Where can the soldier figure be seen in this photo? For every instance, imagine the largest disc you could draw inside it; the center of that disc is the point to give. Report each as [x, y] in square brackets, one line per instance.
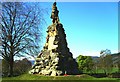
[54, 14]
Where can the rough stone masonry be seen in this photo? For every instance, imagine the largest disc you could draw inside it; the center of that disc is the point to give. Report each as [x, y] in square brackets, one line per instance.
[55, 59]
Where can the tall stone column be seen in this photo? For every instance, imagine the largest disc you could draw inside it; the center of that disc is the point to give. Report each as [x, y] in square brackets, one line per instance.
[55, 59]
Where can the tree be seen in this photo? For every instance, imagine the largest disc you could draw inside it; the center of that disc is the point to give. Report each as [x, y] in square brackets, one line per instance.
[116, 60]
[105, 61]
[21, 30]
[5, 67]
[20, 67]
[85, 63]
[105, 52]
[95, 65]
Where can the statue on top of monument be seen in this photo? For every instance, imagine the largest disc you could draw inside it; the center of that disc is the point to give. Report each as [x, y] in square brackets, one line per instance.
[54, 14]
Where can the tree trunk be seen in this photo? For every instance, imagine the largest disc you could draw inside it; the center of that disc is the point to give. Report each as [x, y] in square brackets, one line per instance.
[11, 66]
[105, 71]
[118, 67]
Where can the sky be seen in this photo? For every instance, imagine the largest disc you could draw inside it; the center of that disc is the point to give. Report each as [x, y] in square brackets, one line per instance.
[89, 26]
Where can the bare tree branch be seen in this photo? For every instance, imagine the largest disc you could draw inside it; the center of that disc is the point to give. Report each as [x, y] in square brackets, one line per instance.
[21, 26]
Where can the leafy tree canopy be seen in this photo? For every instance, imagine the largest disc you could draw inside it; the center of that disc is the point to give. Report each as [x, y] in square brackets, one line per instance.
[85, 63]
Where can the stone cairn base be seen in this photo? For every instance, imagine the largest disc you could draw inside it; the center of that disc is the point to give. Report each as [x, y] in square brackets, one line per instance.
[55, 58]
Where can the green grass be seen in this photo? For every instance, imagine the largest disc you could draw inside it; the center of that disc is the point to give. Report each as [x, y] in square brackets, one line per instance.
[70, 77]
[39, 77]
[113, 70]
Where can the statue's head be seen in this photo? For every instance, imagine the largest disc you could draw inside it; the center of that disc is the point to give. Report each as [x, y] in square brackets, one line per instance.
[54, 3]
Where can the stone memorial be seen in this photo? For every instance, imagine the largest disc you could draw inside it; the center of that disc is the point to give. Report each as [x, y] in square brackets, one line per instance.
[55, 58]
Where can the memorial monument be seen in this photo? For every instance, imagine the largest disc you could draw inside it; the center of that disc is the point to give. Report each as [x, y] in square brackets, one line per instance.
[55, 59]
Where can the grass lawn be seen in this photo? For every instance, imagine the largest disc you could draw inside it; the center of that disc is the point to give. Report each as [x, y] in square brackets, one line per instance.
[73, 78]
[113, 70]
